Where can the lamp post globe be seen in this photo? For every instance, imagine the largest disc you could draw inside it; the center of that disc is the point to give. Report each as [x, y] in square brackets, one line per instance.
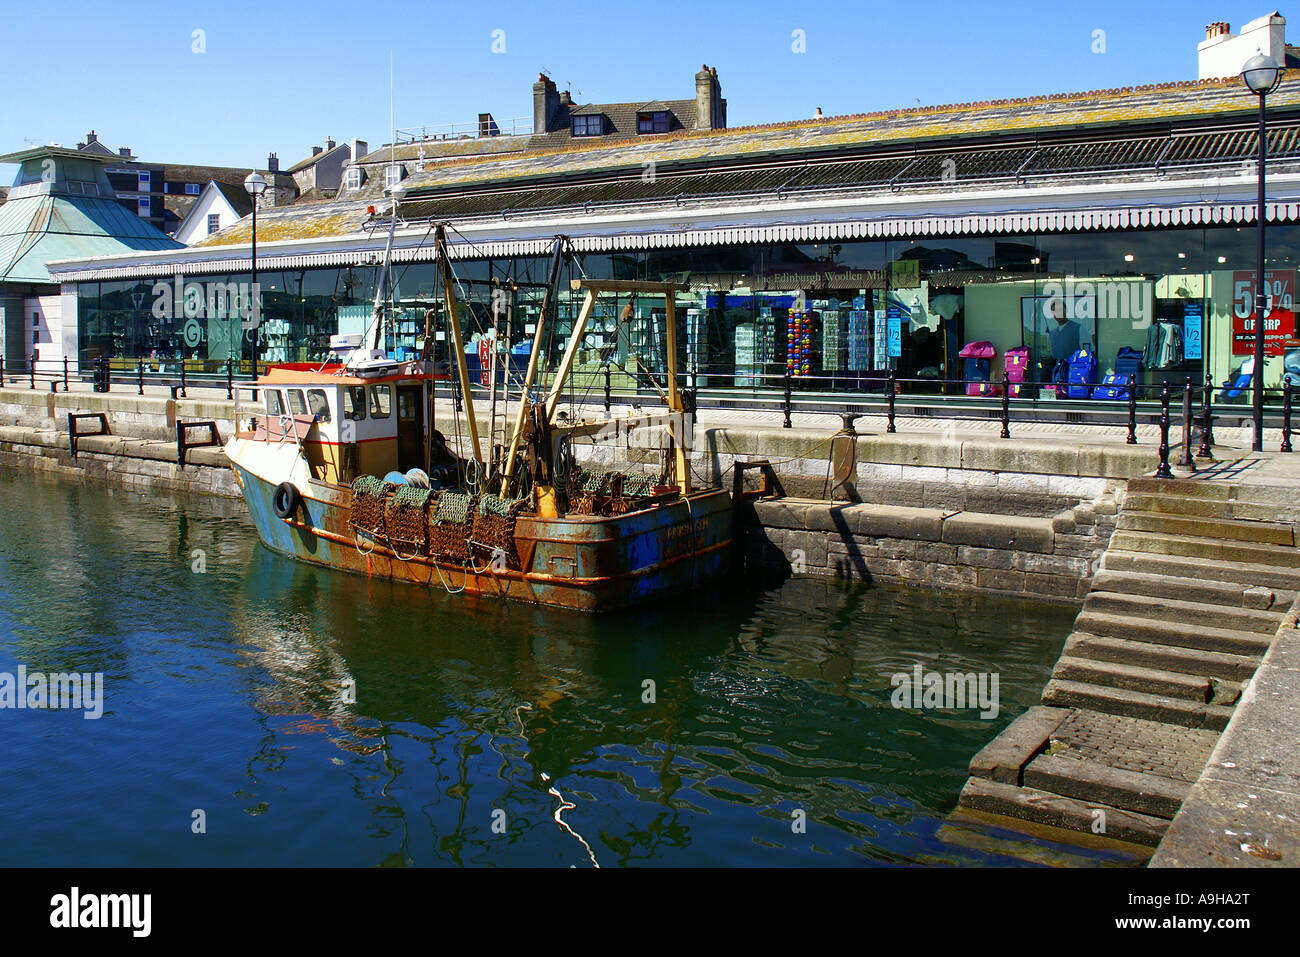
[1261, 74]
[255, 184]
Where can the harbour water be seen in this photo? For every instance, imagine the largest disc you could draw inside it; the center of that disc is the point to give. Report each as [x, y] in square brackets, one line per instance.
[257, 711]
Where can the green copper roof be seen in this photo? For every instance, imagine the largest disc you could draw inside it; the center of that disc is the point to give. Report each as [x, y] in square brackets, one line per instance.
[43, 227]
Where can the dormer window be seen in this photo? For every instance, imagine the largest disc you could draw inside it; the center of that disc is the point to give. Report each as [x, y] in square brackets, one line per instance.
[353, 178]
[592, 125]
[656, 122]
[392, 176]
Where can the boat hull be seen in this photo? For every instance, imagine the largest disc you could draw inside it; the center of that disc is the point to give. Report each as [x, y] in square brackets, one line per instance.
[586, 563]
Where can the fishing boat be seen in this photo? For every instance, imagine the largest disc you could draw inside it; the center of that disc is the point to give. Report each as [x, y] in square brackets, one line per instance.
[341, 465]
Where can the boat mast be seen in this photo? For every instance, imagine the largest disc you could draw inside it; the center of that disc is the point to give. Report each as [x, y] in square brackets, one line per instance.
[530, 376]
[453, 323]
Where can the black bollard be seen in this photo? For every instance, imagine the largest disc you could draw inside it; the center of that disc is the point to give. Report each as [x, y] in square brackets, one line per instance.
[786, 407]
[1006, 407]
[1132, 438]
[183, 395]
[140, 376]
[65, 373]
[607, 387]
[31, 369]
[2, 372]
[892, 389]
[1286, 414]
[1163, 471]
[1207, 430]
[230, 379]
[1185, 462]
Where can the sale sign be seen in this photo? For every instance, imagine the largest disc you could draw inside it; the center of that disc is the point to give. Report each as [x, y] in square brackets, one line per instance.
[1279, 314]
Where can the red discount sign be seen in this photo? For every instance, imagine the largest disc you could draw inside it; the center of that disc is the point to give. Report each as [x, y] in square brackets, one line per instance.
[1279, 319]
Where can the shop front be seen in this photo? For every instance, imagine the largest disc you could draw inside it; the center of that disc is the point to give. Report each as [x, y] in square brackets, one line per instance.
[939, 313]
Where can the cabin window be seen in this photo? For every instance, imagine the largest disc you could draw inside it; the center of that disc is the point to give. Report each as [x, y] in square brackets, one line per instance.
[354, 402]
[296, 404]
[274, 405]
[381, 399]
[318, 404]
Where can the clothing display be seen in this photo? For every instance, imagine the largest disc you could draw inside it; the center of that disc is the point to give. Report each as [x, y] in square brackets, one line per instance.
[832, 341]
[1164, 345]
[860, 340]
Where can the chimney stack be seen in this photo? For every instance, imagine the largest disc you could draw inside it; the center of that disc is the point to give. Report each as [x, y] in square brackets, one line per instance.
[546, 103]
[124, 151]
[272, 163]
[329, 143]
[710, 107]
[316, 151]
[359, 149]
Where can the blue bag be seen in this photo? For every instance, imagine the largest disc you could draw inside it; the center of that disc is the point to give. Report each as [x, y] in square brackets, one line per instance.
[1083, 373]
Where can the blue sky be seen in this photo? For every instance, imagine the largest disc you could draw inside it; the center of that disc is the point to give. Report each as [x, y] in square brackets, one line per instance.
[280, 78]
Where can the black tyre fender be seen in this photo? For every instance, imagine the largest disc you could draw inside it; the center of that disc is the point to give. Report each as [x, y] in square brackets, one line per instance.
[286, 500]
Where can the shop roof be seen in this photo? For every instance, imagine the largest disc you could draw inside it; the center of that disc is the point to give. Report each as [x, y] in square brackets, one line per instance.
[36, 229]
[1136, 133]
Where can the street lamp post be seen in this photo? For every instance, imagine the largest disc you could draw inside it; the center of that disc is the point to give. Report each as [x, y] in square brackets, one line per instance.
[1261, 74]
[255, 183]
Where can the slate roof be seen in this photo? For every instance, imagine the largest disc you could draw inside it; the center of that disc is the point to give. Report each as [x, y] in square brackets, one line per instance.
[1106, 135]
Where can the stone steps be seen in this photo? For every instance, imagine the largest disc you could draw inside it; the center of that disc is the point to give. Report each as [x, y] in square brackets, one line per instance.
[1197, 580]
[1145, 654]
[1229, 594]
[1092, 781]
[1245, 574]
[1214, 508]
[1136, 704]
[1176, 634]
[1054, 810]
[1152, 608]
[1256, 532]
[1207, 549]
[1198, 688]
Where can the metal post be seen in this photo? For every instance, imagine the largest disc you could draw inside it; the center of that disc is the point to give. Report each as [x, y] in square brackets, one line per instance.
[1261, 289]
[1207, 430]
[2, 372]
[31, 368]
[65, 373]
[183, 395]
[607, 374]
[230, 378]
[1132, 437]
[1286, 414]
[890, 428]
[1006, 406]
[1163, 471]
[786, 404]
[140, 376]
[1185, 461]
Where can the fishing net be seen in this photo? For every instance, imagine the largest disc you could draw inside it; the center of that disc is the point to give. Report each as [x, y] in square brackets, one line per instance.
[366, 513]
[493, 536]
[406, 518]
[450, 525]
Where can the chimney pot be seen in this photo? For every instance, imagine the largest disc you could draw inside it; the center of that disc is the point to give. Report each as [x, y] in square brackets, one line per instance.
[316, 151]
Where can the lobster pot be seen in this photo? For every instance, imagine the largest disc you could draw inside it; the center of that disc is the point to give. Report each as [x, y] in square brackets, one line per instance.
[589, 491]
[367, 512]
[406, 519]
[494, 529]
[450, 525]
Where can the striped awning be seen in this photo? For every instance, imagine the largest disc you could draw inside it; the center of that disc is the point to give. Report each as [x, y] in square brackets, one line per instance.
[363, 251]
